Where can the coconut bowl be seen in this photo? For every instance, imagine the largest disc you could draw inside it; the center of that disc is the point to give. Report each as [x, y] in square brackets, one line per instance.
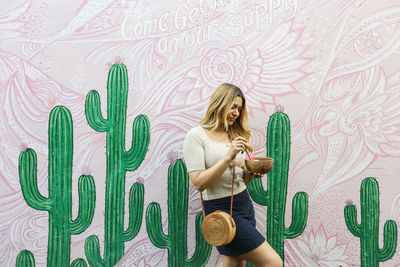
[260, 165]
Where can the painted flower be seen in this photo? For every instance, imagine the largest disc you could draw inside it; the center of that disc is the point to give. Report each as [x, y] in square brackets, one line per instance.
[317, 249]
[349, 202]
[368, 43]
[172, 156]
[263, 75]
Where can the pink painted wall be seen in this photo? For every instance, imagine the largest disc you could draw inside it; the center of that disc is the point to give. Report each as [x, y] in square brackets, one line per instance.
[333, 65]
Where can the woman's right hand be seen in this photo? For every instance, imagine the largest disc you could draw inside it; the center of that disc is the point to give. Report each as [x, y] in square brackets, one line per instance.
[238, 145]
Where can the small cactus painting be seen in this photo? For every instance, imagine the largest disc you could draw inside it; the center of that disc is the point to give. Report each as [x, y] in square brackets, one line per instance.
[176, 240]
[368, 229]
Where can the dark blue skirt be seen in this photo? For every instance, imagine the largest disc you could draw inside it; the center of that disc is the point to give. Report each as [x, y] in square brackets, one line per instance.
[247, 236]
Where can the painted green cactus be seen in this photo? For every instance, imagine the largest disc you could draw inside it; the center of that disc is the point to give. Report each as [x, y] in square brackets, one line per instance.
[176, 240]
[25, 259]
[368, 229]
[278, 148]
[119, 161]
[59, 200]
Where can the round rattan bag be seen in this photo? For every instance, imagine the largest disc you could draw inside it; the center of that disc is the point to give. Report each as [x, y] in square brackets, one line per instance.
[218, 228]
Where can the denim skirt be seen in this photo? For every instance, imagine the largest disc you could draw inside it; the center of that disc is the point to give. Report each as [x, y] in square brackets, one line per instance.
[247, 236]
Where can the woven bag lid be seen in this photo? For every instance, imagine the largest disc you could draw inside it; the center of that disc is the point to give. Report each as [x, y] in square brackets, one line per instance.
[218, 229]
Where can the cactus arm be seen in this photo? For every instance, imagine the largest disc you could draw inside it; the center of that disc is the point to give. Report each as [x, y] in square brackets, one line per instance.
[136, 197]
[257, 192]
[87, 200]
[27, 175]
[78, 263]
[118, 162]
[299, 215]
[202, 247]
[140, 143]
[368, 229]
[274, 197]
[25, 259]
[176, 240]
[92, 251]
[93, 112]
[350, 215]
[154, 226]
[390, 241]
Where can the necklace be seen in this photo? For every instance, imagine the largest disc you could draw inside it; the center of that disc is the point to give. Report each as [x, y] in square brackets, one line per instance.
[220, 137]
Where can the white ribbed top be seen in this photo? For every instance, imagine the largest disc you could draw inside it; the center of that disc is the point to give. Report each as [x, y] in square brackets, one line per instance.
[201, 152]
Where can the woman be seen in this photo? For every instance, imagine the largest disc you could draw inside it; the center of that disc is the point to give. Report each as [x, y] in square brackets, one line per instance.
[209, 151]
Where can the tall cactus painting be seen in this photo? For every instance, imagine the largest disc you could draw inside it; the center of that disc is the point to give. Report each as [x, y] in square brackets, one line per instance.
[59, 201]
[119, 161]
[368, 229]
[176, 240]
[278, 148]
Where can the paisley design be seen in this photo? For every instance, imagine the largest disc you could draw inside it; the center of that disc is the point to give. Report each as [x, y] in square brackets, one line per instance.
[331, 66]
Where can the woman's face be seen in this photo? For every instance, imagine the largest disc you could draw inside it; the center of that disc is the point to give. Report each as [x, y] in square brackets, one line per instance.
[235, 110]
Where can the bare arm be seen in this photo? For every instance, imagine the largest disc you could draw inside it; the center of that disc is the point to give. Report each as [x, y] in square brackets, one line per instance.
[202, 179]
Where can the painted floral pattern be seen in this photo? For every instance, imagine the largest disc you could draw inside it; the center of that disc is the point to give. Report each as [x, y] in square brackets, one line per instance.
[317, 249]
[266, 73]
[332, 66]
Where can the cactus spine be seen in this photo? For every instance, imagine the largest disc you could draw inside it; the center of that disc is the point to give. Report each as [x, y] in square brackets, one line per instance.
[176, 240]
[59, 201]
[119, 161]
[278, 148]
[368, 229]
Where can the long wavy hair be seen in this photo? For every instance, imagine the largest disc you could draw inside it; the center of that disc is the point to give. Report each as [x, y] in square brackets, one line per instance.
[220, 104]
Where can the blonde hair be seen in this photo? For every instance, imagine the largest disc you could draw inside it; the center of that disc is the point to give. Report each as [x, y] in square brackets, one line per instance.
[220, 104]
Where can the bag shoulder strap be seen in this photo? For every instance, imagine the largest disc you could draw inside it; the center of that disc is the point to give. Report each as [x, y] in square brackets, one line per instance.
[233, 180]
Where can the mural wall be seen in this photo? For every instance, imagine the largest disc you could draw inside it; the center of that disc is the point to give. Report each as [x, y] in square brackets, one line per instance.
[96, 97]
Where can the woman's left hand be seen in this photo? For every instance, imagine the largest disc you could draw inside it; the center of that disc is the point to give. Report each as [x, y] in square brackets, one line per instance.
[248, 176]
[256, 175]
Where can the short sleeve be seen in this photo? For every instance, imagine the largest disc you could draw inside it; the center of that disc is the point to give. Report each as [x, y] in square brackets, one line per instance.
[193, 151]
